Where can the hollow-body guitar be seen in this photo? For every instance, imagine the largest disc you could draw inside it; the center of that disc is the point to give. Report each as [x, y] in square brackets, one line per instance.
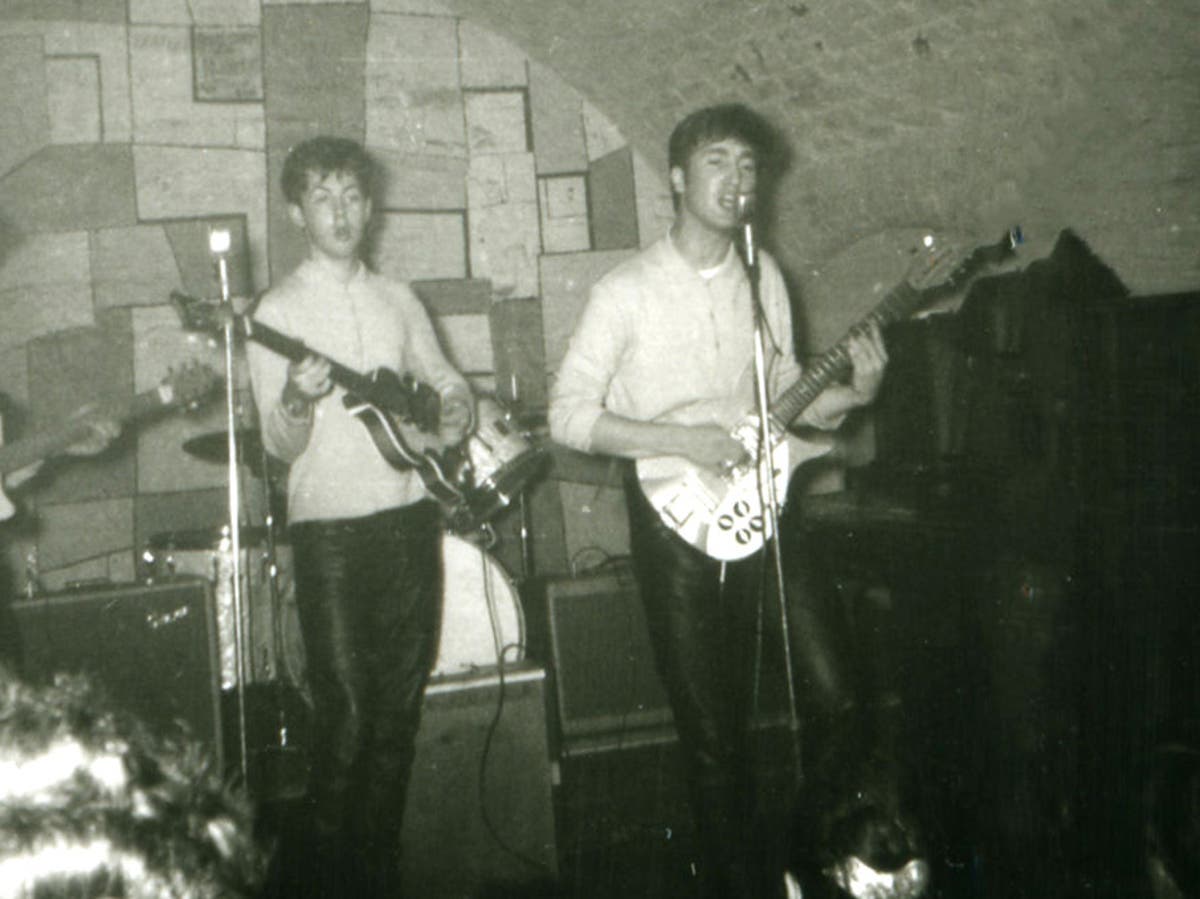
[473, 481]
[399, 412]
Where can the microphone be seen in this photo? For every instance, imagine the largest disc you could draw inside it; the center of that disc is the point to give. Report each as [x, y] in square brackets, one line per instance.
[219, 242]
[745, 212]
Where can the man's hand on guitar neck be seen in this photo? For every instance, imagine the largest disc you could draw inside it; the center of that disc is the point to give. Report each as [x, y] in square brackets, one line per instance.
[307, 381]
[869, 357]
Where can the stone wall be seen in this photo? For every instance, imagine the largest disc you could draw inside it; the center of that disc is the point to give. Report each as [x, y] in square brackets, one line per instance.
[523, 142]
[131, 134]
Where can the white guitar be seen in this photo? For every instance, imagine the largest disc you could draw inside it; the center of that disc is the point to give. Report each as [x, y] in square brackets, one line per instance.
[722, 514]
[185, 387]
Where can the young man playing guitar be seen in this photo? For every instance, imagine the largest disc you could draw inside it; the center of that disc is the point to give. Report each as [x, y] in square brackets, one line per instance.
[365, 535]
[658, 366]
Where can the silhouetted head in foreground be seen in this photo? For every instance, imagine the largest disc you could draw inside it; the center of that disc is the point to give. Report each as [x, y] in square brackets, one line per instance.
[92, 804]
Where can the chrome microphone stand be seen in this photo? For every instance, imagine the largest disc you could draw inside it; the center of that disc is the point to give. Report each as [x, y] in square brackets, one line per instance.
[218, 244]
[764, 465]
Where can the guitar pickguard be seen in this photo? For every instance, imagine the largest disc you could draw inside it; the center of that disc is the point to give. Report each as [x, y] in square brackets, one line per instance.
[723, 515]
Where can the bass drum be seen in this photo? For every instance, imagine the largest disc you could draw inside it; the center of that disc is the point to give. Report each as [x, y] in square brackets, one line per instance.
[481, 611]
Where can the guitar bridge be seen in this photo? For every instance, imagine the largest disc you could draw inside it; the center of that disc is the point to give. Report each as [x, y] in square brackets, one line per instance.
[679, 510]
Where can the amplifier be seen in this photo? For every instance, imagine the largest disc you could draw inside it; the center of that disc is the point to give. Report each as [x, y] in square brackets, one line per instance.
[152, 649]
[607, 689]
[480, 812]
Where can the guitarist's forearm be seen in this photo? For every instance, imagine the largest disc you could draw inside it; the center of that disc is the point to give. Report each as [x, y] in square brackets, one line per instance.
[20, 476]
[285, 430]
[615, 435]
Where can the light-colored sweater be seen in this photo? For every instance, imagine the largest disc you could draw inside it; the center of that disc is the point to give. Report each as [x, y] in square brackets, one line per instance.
[367, 323]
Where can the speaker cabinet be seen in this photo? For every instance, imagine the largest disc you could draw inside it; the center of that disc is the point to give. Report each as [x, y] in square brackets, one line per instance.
[607, 689]
[480, 813]
[151, 648]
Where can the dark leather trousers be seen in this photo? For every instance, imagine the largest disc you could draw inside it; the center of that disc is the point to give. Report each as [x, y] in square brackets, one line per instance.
[368, 593]
[703, 638]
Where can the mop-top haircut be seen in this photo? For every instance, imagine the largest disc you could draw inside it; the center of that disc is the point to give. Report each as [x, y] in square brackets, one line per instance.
[322, 156]
[716, 123]
[92, 804]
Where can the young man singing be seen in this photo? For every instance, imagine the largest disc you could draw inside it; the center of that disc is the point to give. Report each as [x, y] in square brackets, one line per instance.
[365, 535]
[661, 363]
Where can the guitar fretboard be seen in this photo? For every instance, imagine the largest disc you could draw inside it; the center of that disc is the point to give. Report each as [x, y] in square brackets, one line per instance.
[296, 350]
[900, 302]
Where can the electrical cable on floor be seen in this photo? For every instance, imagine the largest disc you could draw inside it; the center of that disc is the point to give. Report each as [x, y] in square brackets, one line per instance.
[501, 650]
[483, 760]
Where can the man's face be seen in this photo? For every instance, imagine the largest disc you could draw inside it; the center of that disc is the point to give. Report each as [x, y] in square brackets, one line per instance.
[715, 174]
[333, 212]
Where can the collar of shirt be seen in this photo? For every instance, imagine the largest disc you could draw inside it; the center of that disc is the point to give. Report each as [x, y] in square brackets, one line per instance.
[319, 273]
[730, 264]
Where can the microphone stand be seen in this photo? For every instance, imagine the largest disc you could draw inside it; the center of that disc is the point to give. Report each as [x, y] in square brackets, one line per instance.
[765, 468]
[218, 243]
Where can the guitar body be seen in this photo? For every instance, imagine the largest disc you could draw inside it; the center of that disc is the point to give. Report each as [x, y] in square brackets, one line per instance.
[405, 447]
[385, 406]
[724, 514]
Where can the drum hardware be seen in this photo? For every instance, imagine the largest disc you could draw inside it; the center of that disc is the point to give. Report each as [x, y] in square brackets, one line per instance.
[493, 466]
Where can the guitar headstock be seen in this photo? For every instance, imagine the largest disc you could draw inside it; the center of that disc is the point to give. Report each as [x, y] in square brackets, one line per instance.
[196, 314]
[939, 268]
[189, 385]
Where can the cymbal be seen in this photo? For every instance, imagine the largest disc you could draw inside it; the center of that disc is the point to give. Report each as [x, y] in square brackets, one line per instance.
[214, 447]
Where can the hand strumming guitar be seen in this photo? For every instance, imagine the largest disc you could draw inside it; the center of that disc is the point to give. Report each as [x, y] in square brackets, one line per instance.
[102, 431]
[711, 446]
[456, 419]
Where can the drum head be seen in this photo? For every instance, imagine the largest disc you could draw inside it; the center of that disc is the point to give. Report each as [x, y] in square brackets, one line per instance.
[480, 611]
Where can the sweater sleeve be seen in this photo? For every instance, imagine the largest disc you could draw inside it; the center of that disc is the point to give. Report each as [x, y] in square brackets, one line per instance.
[284, 435]
[423, 353]
[577, 398]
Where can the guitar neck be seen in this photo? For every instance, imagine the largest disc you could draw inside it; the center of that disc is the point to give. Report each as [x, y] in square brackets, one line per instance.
[831, 365]
[295, 350]
[900, 302]
[43, 444]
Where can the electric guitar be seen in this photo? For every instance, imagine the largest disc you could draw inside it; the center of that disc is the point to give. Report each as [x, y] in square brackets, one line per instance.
[722, 513]
[400, 413]
[186, 387]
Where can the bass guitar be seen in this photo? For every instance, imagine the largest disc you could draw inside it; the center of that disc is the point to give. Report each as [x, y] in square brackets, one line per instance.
[399, 412]
[472, 482]
[186, 387]
[722, 513]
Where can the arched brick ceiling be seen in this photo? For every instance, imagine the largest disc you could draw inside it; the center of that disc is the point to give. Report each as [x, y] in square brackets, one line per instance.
[947, 113]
